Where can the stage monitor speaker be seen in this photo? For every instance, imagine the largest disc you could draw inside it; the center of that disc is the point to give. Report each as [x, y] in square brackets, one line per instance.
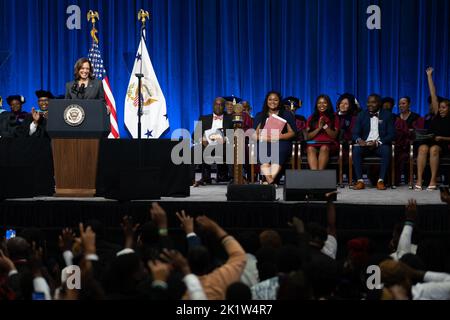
[16, 182]
[136, 184]
[308, 185]
[251, 192]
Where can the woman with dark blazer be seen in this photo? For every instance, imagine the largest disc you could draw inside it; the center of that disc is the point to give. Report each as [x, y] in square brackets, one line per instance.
[85, 86]
[273, 106]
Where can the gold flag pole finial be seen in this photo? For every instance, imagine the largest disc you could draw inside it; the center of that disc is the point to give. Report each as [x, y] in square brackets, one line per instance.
[93, 17]
[143, 16]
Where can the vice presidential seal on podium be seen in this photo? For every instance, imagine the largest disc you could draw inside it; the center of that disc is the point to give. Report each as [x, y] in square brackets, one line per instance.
[76, 127]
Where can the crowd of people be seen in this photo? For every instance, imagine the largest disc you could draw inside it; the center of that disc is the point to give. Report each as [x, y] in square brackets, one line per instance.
[374, 130]
[212, 264]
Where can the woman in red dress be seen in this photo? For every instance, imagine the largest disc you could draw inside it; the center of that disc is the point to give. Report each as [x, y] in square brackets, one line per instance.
[323, 130]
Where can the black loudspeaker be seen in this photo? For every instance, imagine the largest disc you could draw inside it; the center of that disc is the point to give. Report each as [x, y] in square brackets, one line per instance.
[16, 182]
[307, 185]
[135, 184]
[251, 192]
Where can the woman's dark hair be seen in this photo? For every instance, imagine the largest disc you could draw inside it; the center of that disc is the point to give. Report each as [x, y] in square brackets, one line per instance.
[447, 102]
[79, 65]
[265, 110]
[329, 112]
[407, 99]
[353, 107]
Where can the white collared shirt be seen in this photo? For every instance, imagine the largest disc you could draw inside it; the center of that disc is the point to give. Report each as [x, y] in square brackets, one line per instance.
[217, 124]
[374, 134]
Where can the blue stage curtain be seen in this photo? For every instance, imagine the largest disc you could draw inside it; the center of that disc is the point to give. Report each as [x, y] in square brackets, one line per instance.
[206, 48]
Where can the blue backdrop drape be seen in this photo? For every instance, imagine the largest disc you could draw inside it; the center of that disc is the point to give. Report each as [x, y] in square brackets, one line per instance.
[206, 48]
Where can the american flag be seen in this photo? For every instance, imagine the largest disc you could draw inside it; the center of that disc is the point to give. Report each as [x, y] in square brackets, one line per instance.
[96, 59]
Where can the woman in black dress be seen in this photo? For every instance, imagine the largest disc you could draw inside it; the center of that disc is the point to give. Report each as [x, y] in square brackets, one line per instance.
[440, 129]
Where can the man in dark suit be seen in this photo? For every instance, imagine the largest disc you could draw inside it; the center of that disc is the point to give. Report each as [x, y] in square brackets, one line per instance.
[220, 121]
[373, 133]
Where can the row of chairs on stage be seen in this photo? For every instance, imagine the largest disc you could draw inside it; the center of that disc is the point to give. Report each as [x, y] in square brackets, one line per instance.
[343, 163]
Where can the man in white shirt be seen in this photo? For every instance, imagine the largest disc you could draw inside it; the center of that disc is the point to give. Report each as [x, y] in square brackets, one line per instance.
[216, 121]
[373, 134]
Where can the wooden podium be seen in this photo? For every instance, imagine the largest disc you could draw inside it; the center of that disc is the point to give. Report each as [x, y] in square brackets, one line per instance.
[76, 127]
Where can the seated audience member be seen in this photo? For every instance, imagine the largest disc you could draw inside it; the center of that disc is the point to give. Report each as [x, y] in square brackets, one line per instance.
[7, 123]
[347, 112]
[323, 130]
[439, 143]
[405, 124]
[388, 105]
[430, 115]
[230, 103]
[413, 119]
[216, 121]
[402, 282]
[247, 108]
[293, 104]
[35, 124]
[373, 133]
[283, 141]
[16, 103]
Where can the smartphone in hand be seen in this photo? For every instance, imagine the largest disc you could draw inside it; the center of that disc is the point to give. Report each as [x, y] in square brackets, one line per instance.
[10, 234]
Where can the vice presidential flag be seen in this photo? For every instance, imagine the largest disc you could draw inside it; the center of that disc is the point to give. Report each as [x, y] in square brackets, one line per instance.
[154, 118]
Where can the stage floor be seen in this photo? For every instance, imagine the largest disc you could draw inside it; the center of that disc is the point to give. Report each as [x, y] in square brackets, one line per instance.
[369, 196]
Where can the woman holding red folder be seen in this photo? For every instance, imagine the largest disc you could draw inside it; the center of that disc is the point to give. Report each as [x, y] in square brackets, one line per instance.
[272, 107]
[323, 130]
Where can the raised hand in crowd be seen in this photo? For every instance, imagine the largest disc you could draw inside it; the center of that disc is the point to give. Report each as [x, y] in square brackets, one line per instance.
[331, 213]
[159, 217]
[6, 263]
[36, 259]
[66, 239]
[445, 195]
[211, 226]
[36, 115]
[160, 270]
[411, 210]
[187, 222]
[298, 225]
[177, 261]
[129, 231]
[87, 238]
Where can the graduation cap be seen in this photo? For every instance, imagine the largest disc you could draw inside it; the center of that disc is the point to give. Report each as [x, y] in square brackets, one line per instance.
[233, 99]
[17, 97]
[44, 94]
[292, 102]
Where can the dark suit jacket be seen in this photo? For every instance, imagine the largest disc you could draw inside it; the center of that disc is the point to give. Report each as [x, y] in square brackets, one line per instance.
[94, 91]
[207, 122]
[8, 125]
[23, 131]
[386, 127]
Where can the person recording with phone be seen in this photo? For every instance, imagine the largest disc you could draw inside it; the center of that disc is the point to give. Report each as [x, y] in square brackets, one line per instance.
[85, 86]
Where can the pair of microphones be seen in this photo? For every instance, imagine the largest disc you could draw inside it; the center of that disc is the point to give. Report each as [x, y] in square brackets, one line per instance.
[79, 91]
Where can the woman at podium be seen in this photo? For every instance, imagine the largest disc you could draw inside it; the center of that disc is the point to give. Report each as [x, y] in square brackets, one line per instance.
[85, 86]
